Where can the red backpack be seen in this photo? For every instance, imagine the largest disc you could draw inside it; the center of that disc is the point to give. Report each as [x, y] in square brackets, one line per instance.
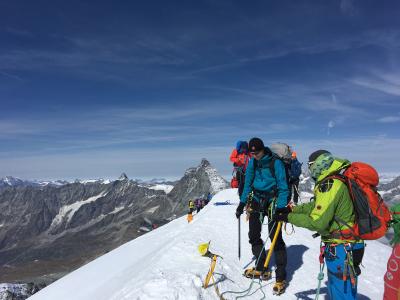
[234, 183]
[372, 214]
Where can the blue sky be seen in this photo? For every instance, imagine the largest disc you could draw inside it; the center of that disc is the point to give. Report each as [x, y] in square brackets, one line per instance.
[92, 89]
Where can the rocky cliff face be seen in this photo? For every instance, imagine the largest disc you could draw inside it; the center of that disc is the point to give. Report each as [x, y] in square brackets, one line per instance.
[47, 231]
[196, 183]
[391, 191]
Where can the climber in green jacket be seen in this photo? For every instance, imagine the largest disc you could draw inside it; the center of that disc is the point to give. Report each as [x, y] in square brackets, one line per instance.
[331, 199]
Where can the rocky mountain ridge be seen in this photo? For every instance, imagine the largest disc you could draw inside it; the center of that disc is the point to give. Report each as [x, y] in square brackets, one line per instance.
[47, 231]
[10, 181]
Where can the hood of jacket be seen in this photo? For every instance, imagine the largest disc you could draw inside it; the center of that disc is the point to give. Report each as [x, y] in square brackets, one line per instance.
[337, 165]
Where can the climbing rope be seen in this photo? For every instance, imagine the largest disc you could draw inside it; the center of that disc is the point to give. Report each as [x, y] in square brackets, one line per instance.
[320, 278]
[247, 291]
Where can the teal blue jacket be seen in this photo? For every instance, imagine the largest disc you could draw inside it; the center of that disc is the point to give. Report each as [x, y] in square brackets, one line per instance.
[261, 179]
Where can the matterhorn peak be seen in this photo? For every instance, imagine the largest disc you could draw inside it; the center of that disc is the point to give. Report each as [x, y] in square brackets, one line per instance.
[204, 163]
[123, 177]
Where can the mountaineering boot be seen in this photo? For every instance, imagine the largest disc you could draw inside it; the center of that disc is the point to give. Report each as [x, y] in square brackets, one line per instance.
[253, 273]
[279, 287]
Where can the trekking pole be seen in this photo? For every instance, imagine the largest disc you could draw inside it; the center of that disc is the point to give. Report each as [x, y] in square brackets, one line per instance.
[278, 229]
[239, 237]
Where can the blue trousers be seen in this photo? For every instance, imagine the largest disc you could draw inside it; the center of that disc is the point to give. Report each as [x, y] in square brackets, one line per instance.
[337, 263]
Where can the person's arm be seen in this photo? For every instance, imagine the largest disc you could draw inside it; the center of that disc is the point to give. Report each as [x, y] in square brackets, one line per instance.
[248, 181]
[235, 157]
[305, 208]
[283, 190]
[321, 215]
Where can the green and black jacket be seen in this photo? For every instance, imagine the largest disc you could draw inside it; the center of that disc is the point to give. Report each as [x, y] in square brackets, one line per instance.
[331, 198]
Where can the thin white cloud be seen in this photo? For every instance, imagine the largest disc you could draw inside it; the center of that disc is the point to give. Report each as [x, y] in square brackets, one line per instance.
[386, 81]
[12, 76]
[171, 162]
[389, 119]
[379, 85]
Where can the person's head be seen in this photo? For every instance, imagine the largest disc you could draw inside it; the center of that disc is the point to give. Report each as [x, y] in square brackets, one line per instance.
[256, 148]
[242, 147]
[294, 155]
[318, 162]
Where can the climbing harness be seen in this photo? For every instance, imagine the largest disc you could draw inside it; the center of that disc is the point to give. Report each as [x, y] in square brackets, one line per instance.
[349, 265]
[348, 268]
[249, 208]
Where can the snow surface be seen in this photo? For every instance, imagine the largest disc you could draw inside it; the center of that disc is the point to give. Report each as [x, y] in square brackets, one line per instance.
[162, 187]
[165, 263]
[101, 181]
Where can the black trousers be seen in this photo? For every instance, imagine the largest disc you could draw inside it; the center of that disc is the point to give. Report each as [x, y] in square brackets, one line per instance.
[240, 175]
[294, 187]
[255, 227]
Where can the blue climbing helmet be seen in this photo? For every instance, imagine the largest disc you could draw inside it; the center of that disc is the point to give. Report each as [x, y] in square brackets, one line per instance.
[242, 146]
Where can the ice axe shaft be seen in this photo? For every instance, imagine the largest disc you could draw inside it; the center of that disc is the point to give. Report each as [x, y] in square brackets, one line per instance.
[239, 237]
[271, 249]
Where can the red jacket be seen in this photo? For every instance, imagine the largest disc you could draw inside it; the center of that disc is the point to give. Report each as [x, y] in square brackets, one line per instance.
[392, 276]
[240, 159]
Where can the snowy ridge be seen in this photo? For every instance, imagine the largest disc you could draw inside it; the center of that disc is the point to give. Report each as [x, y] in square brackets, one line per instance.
[162, 187]
[218, 183]
[101, 181]
[165, 263]
[68, 211]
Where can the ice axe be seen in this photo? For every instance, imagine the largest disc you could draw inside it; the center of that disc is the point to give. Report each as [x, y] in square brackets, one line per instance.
[271, 249]
[204, 250]
[239, 237]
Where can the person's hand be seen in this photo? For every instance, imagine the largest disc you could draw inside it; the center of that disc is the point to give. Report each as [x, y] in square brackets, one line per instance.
[281, 214]
[282, 217]
[286, 209]
[239, 209]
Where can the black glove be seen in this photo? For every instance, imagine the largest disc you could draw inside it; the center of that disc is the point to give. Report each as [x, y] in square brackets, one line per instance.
[284, 210]
[281, 217]
[239, 209]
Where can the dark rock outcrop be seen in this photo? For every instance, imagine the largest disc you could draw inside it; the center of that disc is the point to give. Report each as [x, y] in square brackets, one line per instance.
[55, 229]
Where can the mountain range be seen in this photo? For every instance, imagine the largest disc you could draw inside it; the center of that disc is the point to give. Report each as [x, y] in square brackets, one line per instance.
[46, 231]
[49, 228]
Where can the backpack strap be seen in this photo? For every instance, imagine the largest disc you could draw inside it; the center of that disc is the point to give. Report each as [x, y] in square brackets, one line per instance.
[271, 165]
[340, 234]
